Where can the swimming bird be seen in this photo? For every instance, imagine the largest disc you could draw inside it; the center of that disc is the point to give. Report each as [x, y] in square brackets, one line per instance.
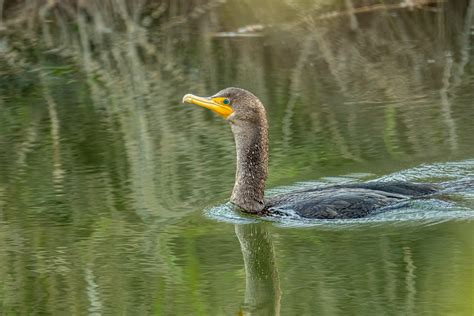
[248, 121]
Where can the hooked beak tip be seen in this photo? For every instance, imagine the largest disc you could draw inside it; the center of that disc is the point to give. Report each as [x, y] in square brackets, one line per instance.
[186, 98]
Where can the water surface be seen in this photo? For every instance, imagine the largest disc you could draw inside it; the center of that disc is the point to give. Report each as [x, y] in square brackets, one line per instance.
[112, 192]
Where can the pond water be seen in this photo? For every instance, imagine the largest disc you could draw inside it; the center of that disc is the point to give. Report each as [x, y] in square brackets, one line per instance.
[113, 193]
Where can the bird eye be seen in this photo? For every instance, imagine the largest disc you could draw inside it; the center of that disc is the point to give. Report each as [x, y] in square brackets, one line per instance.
[226, 101]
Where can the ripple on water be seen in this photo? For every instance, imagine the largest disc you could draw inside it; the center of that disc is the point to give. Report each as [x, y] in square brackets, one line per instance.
[457, 206]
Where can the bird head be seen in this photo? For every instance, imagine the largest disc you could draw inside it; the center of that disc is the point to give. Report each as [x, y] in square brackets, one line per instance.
[236, 105]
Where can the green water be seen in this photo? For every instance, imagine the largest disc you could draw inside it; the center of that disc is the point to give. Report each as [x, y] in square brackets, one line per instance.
[111, 190]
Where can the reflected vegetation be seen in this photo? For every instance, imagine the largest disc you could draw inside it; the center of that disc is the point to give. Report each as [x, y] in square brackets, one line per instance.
[338, 279]
[104, 174]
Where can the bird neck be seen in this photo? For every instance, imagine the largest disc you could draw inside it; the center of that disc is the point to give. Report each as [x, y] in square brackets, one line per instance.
[251, 141]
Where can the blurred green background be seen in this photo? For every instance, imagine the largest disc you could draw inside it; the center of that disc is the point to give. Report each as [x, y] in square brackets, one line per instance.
[104, 174]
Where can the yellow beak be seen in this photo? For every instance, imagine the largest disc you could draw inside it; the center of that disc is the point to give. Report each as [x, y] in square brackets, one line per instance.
[209, 103]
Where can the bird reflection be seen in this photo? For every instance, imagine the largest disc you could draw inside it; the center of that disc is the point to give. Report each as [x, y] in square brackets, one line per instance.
[262, 284]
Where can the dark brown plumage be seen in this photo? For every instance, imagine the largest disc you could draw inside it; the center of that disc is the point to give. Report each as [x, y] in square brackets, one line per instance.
[248, 121]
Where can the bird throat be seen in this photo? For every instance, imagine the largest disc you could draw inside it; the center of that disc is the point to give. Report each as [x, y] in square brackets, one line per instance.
[251, 141]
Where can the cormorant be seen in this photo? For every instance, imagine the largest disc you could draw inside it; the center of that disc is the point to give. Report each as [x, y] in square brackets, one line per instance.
[248, 121]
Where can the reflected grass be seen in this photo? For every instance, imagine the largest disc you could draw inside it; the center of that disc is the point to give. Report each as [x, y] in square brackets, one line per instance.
[104, 173]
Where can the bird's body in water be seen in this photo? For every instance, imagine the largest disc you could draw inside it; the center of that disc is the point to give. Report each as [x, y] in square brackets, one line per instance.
[348, 200]
[248, 121]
